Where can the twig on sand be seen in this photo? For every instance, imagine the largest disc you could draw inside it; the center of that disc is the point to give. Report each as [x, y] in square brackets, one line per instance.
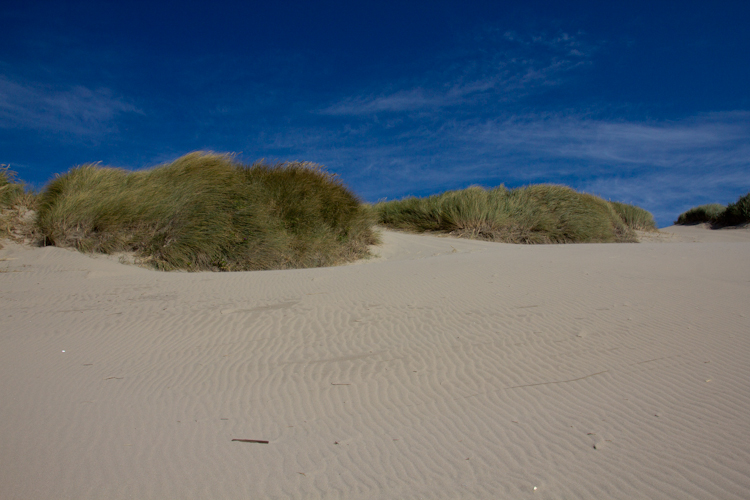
[250, 441]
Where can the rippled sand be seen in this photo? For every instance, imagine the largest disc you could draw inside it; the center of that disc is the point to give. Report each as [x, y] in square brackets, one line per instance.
[444, 368]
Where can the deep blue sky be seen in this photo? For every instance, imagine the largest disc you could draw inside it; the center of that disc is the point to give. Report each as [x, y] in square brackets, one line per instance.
[642, 102]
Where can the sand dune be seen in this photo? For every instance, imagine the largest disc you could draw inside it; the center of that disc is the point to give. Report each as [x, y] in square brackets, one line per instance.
[443, 368]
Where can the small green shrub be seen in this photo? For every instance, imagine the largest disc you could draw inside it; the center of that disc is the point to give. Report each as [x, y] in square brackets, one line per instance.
[700, 214]
[534, 214]
[206, 211]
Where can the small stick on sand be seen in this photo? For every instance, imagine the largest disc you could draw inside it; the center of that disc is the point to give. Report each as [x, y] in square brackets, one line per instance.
[250, 441]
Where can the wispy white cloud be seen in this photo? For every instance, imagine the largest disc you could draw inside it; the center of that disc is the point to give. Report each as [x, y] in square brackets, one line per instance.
[77, 110]
[703, 141]
[400, 100]
[501, 67]
[561, 43]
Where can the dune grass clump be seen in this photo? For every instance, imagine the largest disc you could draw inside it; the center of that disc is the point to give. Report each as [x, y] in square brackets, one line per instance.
[16, 208]
[205, 211]
[736, 213]
[634, 217]
[533, 214]
[703, 213]
[9, 190]
[718, 215]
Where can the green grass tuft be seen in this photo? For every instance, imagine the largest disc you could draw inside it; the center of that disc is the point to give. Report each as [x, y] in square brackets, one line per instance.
[10, 190]
[205, 211]
[718, 215]
[534, 214]
[735, 213]
[703, 213]
[634, 217]
[16, 208]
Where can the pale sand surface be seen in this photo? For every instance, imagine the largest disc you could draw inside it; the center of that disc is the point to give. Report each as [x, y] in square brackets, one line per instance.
[443, 369]
[698, 233]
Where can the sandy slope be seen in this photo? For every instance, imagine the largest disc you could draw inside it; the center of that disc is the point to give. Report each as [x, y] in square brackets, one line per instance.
[698, 233]
[442, 369]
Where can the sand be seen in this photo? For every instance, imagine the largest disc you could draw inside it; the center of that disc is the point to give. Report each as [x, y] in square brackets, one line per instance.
[442, 369]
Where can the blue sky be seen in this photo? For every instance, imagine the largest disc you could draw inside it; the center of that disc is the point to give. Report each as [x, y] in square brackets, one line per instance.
[641, 102]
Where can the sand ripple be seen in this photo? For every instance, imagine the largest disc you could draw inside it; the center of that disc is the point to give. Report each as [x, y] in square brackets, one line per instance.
[586, 371]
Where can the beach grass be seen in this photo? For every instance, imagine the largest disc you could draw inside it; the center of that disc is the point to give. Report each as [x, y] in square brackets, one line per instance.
[736, 213]
[16, 208]
[206, 211]
[700, 214]
[10, 190]
[717, 214]
[540, 213]
[634, 217]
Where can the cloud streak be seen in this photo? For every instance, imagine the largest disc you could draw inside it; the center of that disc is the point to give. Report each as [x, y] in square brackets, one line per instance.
[703, 141]
[501, 67]
[77, 111]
